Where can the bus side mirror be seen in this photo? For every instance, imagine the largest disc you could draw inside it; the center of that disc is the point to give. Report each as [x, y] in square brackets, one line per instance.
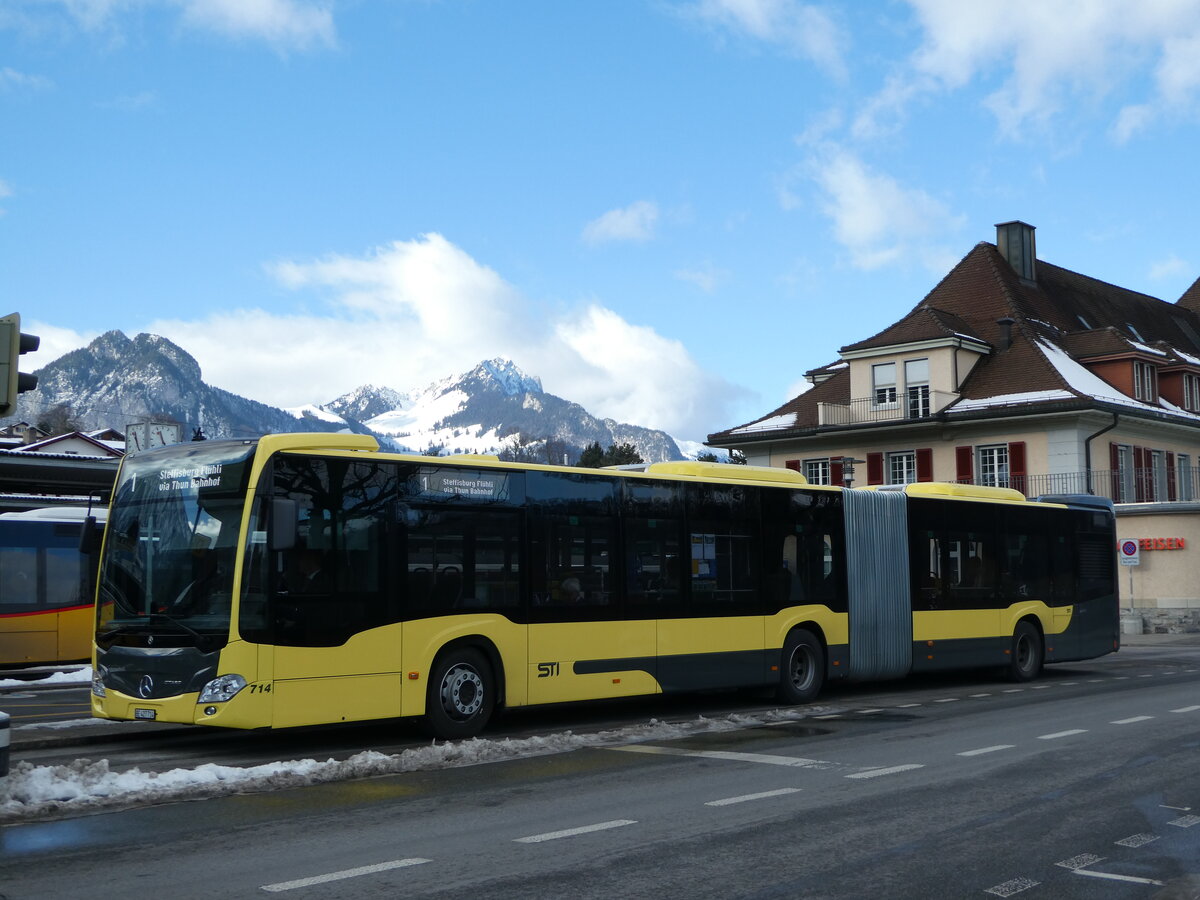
[285, 518]
[89, 537]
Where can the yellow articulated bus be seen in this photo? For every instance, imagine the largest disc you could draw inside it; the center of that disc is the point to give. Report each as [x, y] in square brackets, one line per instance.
[47, 582]
[310, 578]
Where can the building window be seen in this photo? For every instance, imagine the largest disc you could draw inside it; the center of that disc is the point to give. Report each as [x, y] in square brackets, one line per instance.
[993, 465]
[902, 467]
[883, 384]
[1191, 392]
[1184, 476]
[916, 386]
[1126, 475]
[817, 471]
[1145, 382]
[1158, 476]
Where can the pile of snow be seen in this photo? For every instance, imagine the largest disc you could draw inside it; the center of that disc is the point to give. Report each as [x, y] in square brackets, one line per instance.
[81, 675]
[32, 792]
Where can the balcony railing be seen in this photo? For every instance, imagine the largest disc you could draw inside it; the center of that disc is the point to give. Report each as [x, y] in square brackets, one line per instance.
[916, 403]
[1181, 484]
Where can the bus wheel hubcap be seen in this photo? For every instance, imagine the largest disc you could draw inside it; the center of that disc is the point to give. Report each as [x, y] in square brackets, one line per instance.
[801, 668]
[462, 692]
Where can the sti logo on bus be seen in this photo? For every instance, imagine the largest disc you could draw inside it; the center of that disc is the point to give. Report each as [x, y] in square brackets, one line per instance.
[545, 670]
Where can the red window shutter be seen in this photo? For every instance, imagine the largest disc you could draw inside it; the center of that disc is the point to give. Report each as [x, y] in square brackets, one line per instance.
[925, 464]
[1016, 465]
[964, 464]
[1170, 475]
[874, 468]
[1114, 469]
[793, 464]
[1139, 475]
[836, 470]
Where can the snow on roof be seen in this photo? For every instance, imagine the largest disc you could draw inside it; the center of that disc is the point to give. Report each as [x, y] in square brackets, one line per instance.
[787, 420]
[1146, 349]
[1085, 382]
[1010, 399]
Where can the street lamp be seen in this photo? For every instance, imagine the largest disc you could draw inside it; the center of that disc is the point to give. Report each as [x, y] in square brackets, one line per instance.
[848, 464]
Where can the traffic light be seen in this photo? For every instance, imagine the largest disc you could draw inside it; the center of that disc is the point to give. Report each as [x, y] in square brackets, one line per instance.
[12, 344]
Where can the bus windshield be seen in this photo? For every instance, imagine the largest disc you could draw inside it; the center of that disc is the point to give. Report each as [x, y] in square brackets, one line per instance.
[166, 576]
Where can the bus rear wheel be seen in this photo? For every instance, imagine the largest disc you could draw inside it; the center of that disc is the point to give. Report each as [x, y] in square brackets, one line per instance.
[802, 668]
[462, 695]
[1027, 653]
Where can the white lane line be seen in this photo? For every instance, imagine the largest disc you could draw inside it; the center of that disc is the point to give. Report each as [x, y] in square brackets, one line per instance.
[1186, 822]
[338, 876]
[1061, 734]
[1130, 721]
[983, 750]
[572, 832]
[728, 755]
[864, 712]
[907, 705]
[1014, 691]
[981, 695]
[1014, 886]
[1176, 808]
[1040, 687]
[1146, 676]
[890, 770]
[1078, 862]
[1067, 683]
[1137, 840]
[1112, 877]
[729, 801]
[1186, 709]
[1121, 678]
[947, 700]
[829, 716]
[1095, 681]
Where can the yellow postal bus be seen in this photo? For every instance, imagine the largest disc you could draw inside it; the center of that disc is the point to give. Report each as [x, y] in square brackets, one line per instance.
[310, 578]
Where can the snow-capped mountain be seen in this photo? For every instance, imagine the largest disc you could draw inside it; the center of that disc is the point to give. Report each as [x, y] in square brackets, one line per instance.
[493, 408]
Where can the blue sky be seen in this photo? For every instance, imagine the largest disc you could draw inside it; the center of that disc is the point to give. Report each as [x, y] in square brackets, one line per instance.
[667, 209]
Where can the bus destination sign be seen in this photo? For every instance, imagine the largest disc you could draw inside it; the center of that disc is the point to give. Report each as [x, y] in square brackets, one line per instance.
[462, 484]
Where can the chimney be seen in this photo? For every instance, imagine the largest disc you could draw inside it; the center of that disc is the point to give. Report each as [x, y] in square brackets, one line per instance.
[1016, 244]
[1006, 325]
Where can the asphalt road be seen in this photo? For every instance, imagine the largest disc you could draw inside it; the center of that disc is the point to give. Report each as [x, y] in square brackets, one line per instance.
[1080, 785]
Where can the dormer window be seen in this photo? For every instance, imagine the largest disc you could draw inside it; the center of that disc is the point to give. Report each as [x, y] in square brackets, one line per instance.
[1145, 382]
[1191, 392]
[883, 384]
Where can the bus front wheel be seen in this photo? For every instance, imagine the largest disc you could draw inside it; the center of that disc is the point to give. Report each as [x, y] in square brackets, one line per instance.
[1027, 654]
[802, 669]
[462, 695]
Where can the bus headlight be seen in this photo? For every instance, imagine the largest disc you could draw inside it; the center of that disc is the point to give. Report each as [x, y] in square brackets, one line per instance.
[98, 682]
[221, 689]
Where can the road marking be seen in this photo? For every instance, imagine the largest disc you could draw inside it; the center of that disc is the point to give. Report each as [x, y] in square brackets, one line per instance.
[1121, 678]
[1131, 721]
[1061, 734]
[729, 801]
[572, 832]
[983, 750]
[1078, 862]
[338, 876]
[908, 705]
[1095, 681]
[947, 700]
[829, 716]
[1186, 709]
[1015, 886]
[1015, 691]
[1146, 676]
[1178, 808]
[1040, 687]
[1186, 822]
[1068, 683]
[728, 755]
[1112, 877]
[1137, 840]
[863, 712]
[981, 695]
[890, 770]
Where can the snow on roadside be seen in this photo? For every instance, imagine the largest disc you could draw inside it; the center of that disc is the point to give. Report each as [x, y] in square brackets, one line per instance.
[85, 786]
[81, 675]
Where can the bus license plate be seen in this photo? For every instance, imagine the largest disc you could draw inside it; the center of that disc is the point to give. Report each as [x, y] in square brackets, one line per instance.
[145, 713]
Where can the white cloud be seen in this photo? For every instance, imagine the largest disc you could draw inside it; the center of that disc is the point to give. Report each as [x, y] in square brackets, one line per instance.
[800, 28]
[634, 222]
[11, 79]
[1171, 267]
[706, 277]
[1050, 59]
[879, 220]
[284, 23]
[411, 312]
